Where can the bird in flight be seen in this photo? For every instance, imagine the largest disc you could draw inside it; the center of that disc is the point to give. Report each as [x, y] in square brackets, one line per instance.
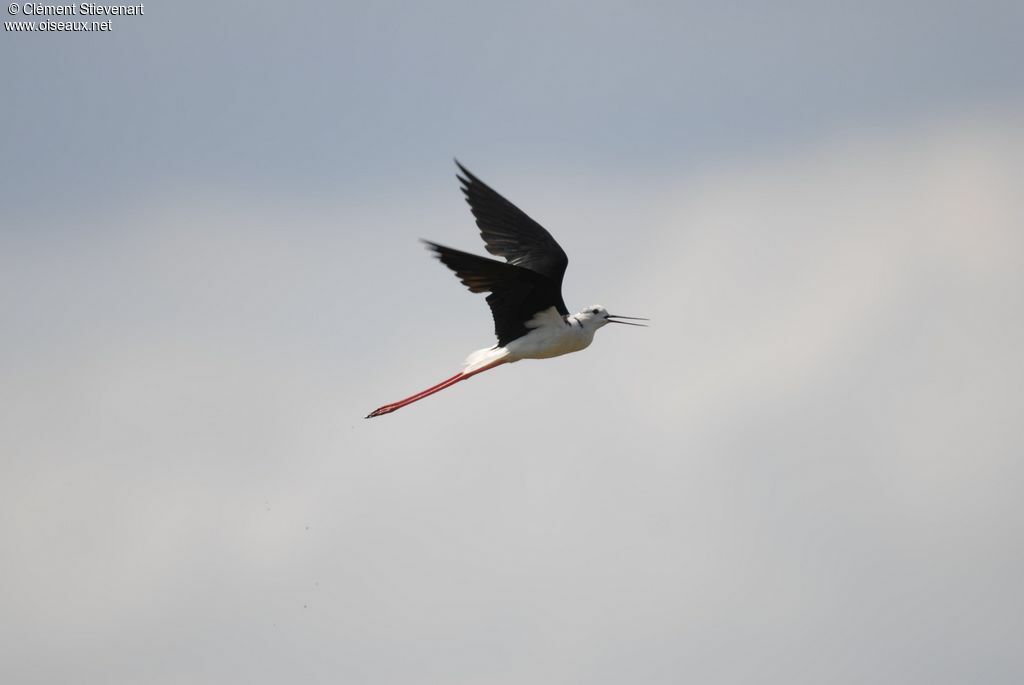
[530, 317]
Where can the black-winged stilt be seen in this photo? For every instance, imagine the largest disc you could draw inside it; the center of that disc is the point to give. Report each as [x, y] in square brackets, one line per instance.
[530, 317]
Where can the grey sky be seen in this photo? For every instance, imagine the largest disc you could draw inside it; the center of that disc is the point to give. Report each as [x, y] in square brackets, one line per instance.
[807, 470]
[337, 97]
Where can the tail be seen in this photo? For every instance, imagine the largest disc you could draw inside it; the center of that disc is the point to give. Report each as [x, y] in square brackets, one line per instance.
[467, 372]
[481, 358]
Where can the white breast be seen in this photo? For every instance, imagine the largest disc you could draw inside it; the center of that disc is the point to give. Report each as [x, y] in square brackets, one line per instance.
[550, 336]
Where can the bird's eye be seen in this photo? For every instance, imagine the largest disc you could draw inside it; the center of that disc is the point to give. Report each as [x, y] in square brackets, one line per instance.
[593, 311]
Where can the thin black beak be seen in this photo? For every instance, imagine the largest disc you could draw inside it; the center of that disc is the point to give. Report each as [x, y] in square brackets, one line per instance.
[611, 318]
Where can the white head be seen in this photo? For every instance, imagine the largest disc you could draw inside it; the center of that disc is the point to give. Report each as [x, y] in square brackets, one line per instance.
[595, 316]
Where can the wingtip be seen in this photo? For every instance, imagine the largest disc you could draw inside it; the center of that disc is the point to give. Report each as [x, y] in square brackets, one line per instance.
[466, 177]
[435, 248]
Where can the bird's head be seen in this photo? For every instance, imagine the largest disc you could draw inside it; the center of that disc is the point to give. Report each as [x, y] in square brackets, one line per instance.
[595, 316]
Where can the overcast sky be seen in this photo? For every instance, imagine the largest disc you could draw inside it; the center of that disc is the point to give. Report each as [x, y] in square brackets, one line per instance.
[808, 470]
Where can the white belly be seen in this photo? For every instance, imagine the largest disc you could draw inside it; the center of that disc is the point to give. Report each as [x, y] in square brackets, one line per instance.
[550, 336]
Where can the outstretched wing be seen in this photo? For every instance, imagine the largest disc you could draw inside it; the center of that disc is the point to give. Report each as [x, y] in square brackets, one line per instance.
[516, 294]
[508, 232]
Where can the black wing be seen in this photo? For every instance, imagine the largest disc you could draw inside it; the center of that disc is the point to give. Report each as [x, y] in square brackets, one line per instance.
[509, 233]
[516, 294]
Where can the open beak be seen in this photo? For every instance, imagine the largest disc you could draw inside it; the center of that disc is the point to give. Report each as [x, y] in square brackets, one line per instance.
[611, 318]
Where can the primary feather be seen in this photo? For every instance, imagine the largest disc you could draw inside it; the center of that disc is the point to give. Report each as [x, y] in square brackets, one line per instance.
[509, 233]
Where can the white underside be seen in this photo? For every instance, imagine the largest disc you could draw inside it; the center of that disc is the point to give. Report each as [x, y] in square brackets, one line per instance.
[550, 336]
[481, 358]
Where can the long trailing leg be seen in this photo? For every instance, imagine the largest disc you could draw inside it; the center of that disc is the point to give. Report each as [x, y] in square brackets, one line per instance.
[457, 378]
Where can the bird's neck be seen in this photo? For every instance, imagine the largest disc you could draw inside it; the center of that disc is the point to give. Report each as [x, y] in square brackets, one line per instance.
[578, 323]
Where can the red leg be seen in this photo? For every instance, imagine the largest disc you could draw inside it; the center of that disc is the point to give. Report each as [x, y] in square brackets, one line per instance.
[457, 378]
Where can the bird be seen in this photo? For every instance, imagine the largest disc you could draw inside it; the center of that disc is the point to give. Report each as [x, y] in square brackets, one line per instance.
[531, 320]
